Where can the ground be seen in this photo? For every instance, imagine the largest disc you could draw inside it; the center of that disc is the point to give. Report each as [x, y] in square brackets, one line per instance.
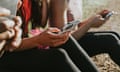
[90, 7]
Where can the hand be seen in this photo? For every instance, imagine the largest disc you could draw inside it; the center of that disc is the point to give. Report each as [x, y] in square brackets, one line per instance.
[97, 21]
[15, 42]
[100, 19]
[5, 27]
[6, 24]
[103, 13]
[51, 38]
[10, 32]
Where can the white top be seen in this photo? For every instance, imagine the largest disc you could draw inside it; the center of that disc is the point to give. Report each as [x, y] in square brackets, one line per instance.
[76, 8]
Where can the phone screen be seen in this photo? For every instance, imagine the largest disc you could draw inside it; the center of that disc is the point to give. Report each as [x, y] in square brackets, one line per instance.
[109, 14]
[10, 4]
[70, 26]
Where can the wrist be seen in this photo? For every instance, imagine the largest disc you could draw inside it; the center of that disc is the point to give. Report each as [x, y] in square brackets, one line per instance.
[39, 43]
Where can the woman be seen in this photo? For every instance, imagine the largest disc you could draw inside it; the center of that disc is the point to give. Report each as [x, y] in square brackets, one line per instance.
[92, 42]
[27, 57]
[44, 57]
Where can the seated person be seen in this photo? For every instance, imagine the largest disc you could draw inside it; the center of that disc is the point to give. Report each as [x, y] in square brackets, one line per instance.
[49, 59]
[92, 42]
[28, 58]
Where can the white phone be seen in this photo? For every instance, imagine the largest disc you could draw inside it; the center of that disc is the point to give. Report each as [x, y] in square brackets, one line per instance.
[69, 26]
[9, 4]
[109, 14]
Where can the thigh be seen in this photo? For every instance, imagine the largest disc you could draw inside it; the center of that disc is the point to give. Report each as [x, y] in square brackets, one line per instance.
[99, 42]
[35, 60]
[79, 56]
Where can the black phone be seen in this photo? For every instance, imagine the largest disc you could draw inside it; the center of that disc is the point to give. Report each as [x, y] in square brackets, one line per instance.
[9, 4]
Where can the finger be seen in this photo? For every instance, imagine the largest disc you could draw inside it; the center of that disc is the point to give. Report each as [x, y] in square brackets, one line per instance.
[4, 12]
[9, 23]
[7, 34]
[18, 21]
[55, 36]
[103, 12]
[17, 38]
[61, 36]
[6, 24]
[100, 18]
[58, 42]
[15, 42]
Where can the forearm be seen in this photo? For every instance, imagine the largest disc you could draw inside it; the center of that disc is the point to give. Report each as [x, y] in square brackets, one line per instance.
[27, 43]
[83, 28]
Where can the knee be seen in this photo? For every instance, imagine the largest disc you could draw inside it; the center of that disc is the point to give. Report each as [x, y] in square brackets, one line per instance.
[62, 53]
[109, 34]
[114, 35]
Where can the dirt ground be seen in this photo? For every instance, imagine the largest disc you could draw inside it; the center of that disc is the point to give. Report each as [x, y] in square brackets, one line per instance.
[90, 7]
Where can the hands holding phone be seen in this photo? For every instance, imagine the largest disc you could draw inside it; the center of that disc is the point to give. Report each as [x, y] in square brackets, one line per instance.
[101, 17]
[51, 37]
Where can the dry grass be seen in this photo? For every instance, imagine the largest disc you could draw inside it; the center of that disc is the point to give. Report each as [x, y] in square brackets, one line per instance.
[90, 7]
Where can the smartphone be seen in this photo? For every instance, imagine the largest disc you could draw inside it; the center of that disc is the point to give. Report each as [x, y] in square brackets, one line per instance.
[109, 14]
[9, 4]
[70, 26]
